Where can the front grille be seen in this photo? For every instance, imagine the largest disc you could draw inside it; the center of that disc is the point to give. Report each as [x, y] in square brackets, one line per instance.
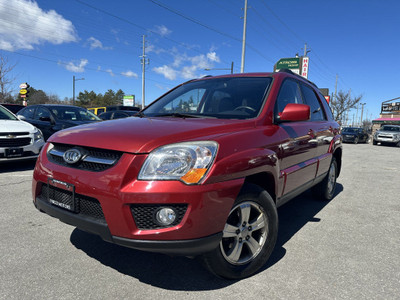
[13, 133]
[15, 142]
[145, 215]
[94, 160]
[84, 205]
[385, 136]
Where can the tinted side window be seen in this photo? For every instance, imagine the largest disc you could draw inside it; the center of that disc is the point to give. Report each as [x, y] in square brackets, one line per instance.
[27, 112]
[325, 105]
[42, 112]
[119, 115]
[106, 115]
[316, 111]
[289, 93]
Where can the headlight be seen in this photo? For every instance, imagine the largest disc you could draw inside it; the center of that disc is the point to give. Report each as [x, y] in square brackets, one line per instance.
[188, 162]
[37, 135]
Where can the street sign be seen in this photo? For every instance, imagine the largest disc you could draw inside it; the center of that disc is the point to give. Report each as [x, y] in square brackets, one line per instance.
[23, 85]
[304, 67]
[293, 64]
[129, 100]
[22, 96]
[23, 91]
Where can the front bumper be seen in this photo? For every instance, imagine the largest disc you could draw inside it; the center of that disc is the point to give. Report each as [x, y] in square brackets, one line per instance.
[386, 139]
[30, 151]
[348, 138]
[176, 247]
[117, 193]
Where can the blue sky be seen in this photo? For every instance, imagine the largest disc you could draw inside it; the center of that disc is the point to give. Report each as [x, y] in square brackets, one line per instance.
[101, 41]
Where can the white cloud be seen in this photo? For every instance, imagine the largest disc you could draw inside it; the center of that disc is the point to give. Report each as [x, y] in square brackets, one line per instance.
[187, 67]
[213, 57]
[167, 71]
[189, 72]
[77, 68]
[109, 71]
[95, 43]
[129, 74]
[24, 24]
[162, 30]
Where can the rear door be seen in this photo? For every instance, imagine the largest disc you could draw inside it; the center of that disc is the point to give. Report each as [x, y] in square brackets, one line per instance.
[321, 129]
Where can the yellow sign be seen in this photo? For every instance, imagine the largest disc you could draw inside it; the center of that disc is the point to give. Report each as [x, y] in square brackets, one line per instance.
[23, 91]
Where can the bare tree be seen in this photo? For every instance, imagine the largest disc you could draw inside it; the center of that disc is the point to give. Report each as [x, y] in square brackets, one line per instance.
[343, 103]
[6, 80]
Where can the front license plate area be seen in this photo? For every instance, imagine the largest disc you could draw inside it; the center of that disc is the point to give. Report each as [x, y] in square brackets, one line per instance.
[61, 194]
[14, 152]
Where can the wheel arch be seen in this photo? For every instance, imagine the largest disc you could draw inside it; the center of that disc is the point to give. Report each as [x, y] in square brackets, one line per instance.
[264, 180]
[338, 156]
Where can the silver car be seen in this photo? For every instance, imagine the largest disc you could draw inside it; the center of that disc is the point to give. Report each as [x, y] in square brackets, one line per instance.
[18, 139]
[387, 134]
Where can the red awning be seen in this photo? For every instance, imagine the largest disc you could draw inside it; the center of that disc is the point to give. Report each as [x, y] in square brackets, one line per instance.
[387, 120]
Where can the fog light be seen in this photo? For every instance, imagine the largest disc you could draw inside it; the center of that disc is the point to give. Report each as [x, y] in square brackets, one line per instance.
[165, 216]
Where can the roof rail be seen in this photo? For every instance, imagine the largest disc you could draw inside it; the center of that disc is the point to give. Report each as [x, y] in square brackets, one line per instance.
[291, 72]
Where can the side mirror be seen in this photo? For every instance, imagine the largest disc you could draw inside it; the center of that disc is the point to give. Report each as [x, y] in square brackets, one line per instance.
[21, 117]
[295, 112]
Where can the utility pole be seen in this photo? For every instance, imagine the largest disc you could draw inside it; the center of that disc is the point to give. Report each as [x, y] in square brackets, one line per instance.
[73, 88]
[244, 36]
[362, 110]
[357, 114]
[144, 62]
[335, 98]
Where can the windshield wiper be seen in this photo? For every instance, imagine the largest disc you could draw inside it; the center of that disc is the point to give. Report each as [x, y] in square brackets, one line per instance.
[178, 115]
[139, 114]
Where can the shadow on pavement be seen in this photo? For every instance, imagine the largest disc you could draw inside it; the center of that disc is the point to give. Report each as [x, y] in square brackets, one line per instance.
[185, 274]
[15, 166]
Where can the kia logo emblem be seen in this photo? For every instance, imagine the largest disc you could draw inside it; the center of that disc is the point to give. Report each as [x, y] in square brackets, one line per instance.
[72, 156]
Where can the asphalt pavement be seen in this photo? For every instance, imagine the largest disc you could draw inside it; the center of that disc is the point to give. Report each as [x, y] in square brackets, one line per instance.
[348, 248]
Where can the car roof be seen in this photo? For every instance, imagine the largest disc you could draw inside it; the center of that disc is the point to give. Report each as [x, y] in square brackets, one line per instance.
[281, 74]
[55, 105]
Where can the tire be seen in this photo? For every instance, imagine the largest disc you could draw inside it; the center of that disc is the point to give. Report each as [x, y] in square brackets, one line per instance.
[355, 140]
[326, 188]
[249, 236]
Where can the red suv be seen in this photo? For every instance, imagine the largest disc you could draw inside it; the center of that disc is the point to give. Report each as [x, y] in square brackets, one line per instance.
[200, 171]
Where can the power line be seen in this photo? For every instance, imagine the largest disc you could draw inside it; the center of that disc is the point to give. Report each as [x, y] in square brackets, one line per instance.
[209, 28]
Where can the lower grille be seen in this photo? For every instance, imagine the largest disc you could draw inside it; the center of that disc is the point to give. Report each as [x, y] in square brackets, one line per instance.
[15, 142]
[145, 215]
[83, 205]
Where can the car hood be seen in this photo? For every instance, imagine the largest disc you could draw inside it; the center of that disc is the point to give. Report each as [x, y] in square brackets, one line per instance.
[387, 132]
[142, 135]
[7, 126]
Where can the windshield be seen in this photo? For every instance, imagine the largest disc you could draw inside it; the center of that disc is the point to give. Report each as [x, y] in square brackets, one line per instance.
[222, 98]
[74, 114]
[390, 128]
[6, 115]
[351, 130]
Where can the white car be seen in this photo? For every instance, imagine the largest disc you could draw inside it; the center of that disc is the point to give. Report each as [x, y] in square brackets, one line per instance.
[18, 139]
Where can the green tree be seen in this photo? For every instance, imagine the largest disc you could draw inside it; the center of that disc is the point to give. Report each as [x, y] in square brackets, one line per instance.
[37, 96]
[119, 97]
[86, 99]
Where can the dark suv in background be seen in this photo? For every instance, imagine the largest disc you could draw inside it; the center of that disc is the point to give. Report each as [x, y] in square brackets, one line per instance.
[50, 118]
[200, 171]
